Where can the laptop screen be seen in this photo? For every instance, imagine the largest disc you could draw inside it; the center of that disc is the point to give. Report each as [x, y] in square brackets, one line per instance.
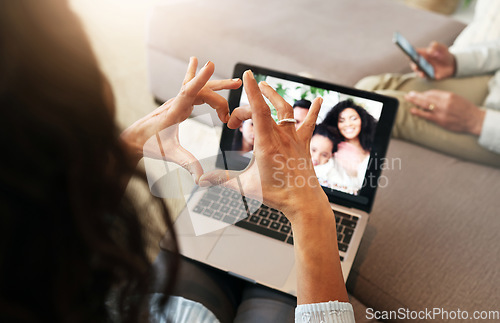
[348, 144]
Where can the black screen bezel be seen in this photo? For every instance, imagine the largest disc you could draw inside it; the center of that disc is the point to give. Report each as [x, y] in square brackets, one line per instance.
[364, 200]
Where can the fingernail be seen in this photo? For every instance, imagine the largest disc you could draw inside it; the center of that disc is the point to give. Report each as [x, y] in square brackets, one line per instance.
[195, 178]
[250, 73]
[320, 101]
[411, 93]
[206, 64]
[264, 83]
[236, 79]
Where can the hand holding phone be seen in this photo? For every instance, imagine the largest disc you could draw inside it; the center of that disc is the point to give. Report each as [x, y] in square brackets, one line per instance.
[412, 53]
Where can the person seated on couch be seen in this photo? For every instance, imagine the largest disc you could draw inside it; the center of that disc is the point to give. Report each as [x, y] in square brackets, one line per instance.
[459, 112]
[73, 243]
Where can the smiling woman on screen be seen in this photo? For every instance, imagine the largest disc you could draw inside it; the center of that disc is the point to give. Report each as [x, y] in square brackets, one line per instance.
[355, 129]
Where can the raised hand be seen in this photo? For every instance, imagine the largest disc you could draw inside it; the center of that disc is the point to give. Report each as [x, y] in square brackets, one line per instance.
[282, 159]
[282, 162]
[163, 122]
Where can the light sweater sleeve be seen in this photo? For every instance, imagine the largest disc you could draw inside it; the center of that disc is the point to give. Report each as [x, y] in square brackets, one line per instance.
[490, 134]
[179, 310]
[477, 59]
[330, 312]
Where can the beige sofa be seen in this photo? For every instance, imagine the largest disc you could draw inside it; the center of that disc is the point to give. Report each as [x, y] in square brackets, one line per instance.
[433, 235]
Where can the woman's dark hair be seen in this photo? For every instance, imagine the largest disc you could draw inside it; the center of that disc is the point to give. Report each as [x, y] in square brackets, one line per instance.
[326, 131]
[368, 122]
[71, 239]
[237, 140]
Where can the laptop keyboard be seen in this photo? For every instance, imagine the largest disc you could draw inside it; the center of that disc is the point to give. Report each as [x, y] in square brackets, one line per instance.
[227, 205]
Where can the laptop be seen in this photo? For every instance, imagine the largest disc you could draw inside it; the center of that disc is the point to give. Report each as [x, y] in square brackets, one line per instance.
[238, 234]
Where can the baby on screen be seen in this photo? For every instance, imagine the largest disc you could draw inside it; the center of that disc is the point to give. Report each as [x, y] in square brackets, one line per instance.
[322, 146]
[328, 170]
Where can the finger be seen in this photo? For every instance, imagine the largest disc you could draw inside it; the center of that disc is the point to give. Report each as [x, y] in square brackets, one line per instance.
[191, 70]
[414, 67]
[422, 51]
[285, 111]
[217, 102]
[261, 114]
[191, 89]
[436, 95]
[428, 115]
[185, 159]
[238, 116]
[306, 129]
[218, 85]
[220, 177]
[419, 99]
[436, 49]
[417, 70]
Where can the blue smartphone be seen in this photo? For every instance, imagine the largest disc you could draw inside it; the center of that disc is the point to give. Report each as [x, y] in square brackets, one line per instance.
[409, 50]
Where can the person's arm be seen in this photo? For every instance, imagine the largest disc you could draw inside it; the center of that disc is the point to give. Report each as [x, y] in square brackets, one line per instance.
[319, 274]
[448, 110]
[477, 59]
[480, 59]
[489, 137]
[455, 113]
[283, 165]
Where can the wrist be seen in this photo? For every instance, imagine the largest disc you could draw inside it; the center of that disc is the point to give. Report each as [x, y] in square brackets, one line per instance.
[133, 143]
[477, 124]
[310, 210]
[317, 255]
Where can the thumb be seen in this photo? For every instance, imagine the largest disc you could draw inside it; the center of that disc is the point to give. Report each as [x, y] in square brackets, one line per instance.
[225, 178]
[185, 159]
[437, 50]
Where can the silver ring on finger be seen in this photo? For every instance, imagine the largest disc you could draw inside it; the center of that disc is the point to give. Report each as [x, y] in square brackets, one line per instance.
[286, 120]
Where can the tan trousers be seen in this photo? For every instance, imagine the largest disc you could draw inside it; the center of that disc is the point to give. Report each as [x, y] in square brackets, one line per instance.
[422, 132]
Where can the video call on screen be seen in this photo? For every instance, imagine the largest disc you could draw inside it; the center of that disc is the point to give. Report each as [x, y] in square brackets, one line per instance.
[343, 137]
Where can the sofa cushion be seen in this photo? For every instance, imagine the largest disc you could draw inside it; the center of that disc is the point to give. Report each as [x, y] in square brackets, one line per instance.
[432, 239]
[337, 41]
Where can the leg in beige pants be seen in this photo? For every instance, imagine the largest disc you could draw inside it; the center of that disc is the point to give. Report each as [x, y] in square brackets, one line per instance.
[417, 130]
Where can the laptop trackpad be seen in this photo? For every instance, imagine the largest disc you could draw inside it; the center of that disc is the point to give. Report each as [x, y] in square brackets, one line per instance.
[265, 260]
